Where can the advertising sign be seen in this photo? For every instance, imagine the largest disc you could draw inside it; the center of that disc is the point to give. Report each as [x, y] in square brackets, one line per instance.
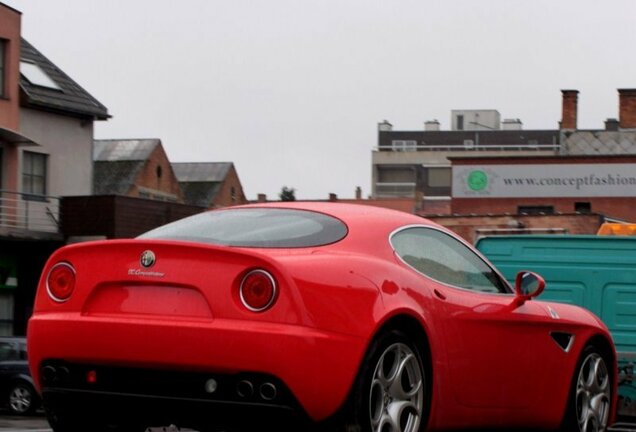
[547, 180]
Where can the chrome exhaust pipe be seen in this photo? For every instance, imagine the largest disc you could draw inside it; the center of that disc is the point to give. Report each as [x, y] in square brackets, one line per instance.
[268, 391]
[49, 374]
[245, 389]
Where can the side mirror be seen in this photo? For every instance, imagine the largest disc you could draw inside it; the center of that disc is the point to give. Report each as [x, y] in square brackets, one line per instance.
[527, 286]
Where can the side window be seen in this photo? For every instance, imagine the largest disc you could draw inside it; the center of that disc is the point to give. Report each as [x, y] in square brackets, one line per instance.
[7, 351]
[445, 259]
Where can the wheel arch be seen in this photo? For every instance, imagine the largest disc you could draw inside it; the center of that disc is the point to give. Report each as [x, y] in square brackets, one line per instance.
[22, 378]
[415, 330]
[603, 344]
[605, 347]
[410, 326]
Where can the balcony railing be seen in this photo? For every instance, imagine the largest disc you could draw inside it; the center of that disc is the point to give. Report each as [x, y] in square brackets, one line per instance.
[29, 212]
[471, 148]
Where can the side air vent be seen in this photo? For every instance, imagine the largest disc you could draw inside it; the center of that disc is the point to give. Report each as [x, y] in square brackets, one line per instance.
[563, 340]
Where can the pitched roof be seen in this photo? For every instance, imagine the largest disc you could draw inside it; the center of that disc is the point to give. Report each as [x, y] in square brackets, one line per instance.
[70, 98]
[118, 162]
[115, 178]
[201, 172]
[111, 150]
[199, 193]
[201, 182]
[10, 8]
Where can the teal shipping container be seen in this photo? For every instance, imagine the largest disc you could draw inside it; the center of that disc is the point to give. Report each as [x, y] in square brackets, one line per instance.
[596, 272]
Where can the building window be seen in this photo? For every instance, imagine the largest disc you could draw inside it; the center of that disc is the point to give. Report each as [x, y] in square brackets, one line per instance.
[37, 76]
[34, 174]
[582, 207]
[460, 122]
[3, 62]
[402, 145]
[535, 210]
[396, 174]
[233, 194]
[396, 181]
[439, 177]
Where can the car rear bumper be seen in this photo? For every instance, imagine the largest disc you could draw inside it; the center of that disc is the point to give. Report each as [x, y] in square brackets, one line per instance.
[314, 369]
[148, 397]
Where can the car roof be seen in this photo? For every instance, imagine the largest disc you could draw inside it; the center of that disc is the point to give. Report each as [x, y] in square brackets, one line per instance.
[368, 226]
[349, 213]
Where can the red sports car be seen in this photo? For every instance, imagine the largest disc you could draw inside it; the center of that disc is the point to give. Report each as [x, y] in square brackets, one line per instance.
[309, 315]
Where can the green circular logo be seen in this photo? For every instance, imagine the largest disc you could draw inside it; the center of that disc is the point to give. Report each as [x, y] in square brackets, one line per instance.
[477, 180]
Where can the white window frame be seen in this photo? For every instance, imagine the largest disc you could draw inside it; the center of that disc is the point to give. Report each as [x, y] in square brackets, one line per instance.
[28, 173]
[404, 145]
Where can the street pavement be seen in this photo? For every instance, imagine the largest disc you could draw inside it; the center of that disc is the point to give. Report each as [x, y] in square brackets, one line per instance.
[36, 423]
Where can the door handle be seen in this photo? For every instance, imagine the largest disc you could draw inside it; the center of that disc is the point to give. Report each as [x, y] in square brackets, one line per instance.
[439, 294]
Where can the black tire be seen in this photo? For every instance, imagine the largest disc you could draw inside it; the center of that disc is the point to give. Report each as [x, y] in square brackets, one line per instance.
[392, 374]
[591, 382]
[23, 399]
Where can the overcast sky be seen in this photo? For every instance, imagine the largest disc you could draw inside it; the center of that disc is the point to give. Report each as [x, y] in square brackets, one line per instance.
[291, 91]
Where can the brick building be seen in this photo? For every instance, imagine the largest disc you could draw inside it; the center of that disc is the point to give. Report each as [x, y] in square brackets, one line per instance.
[487, 175]
[416, 165]
[591, 179]
[594, 171]
[135, 168]
[210, 184]
[546, 185]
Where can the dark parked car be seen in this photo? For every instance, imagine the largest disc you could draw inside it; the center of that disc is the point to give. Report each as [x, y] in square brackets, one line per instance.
[17, 392]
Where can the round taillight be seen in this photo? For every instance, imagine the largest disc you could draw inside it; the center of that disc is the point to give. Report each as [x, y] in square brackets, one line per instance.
[60, 282]
[258, 290]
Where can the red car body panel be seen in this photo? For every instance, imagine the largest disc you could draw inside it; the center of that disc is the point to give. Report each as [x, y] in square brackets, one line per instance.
[163, 321]
[494, 364]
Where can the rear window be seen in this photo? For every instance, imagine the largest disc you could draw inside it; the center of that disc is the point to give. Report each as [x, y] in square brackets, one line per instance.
[255, 227]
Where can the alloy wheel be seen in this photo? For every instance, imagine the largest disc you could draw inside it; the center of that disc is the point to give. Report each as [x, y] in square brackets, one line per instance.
[593, 394]
[20, 399]
[397, 391]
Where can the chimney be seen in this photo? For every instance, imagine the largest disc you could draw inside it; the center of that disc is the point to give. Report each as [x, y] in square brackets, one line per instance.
[431, 125]
[385, 126]
[570, 106]
[333, 197]
[611, 125]
[261, 198]
[627, 108]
